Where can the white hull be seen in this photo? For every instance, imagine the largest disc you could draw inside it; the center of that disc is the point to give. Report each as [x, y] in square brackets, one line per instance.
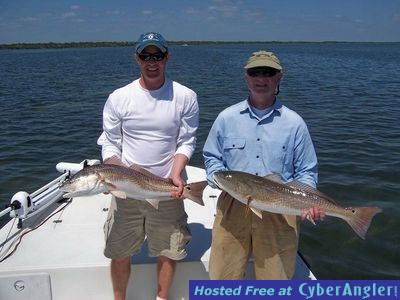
[63, 258]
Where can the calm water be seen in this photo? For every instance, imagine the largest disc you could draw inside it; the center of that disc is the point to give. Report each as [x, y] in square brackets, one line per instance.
[349, 94]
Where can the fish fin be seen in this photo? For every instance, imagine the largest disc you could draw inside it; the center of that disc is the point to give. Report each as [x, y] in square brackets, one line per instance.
[248, 208]
[113, 189]
[119, 194]
[274, 177]
[153, 202]
[308, 188]
[302, 186]
[310, 218]
[194, 191]
[257, 212]
[359, 218]
[109, 185]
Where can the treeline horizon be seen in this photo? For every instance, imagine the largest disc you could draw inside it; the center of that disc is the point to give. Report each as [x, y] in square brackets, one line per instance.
[53, 45]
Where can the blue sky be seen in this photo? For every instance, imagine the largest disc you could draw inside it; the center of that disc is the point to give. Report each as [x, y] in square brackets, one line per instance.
[228, 20]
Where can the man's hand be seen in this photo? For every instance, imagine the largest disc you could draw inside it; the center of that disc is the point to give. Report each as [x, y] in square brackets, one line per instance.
[313, 214]
[178, 166]
[177, 181]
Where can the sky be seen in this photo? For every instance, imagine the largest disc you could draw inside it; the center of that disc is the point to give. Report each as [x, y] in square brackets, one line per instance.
[41, 21]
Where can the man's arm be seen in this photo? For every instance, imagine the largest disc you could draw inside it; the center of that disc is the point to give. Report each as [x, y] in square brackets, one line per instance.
[186, 144]
[111, 138]
[179, 164]
[213, 151]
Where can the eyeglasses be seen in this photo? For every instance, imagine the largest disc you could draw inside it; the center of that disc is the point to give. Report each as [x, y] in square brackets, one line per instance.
[152, 56]
[262, 72]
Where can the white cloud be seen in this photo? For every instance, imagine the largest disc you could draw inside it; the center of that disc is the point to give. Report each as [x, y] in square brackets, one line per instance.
[69, 14]
[113, 12]
[189, 10]
[28, 19]
[147, 12]
[227, 11]
[254, 14]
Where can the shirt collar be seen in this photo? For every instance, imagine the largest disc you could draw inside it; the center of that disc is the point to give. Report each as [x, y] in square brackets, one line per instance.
[245, 108]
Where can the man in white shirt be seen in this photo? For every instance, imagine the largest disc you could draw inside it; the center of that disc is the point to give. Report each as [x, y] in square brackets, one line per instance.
[150, 122]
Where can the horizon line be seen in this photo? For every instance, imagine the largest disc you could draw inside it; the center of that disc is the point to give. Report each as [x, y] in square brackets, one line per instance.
[25, 45]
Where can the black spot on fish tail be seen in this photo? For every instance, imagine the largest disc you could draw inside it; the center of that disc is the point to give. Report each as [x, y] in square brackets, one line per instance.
[360, 219]
[194, 191]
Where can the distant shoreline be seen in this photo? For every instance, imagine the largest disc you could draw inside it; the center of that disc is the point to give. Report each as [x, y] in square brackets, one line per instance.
[51, 45]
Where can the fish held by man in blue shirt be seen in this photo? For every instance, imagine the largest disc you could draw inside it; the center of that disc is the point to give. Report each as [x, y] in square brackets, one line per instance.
[270, 194]
[122, 182]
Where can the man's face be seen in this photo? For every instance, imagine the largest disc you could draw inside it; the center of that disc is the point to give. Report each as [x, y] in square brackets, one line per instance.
[263, 80]
[152, 63]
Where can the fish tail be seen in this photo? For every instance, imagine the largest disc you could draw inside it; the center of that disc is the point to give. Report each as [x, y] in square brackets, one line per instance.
[360, 218]
[194, 191]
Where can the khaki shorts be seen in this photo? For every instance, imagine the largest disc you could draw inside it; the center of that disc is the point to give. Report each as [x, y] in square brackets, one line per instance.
[238, 233]
[130, 221]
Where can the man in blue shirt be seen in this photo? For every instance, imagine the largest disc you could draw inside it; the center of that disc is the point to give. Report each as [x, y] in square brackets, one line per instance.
[260, 136]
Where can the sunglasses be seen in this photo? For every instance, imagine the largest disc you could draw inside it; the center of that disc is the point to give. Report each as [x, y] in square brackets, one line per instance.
[152, 56]
[262, 72]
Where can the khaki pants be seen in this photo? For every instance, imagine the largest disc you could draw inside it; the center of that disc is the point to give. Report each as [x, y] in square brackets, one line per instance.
[238, 232]
[130, 221]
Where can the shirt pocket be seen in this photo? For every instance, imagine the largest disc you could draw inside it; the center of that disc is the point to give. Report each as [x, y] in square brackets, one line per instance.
[276, 156]
[235, 153]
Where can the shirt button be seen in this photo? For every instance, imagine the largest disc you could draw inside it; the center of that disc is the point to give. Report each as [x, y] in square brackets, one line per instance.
[258, 156]
[258, 139]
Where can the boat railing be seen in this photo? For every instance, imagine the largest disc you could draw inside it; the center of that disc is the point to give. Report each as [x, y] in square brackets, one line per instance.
[24, 205]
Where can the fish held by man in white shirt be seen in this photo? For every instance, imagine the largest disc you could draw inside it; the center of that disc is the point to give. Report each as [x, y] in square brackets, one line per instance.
[122, 182]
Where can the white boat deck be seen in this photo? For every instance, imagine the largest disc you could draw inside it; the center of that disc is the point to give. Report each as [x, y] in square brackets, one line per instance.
[63, 258]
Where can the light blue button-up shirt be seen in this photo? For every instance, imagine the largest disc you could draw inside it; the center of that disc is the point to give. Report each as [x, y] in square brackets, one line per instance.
[278, 143]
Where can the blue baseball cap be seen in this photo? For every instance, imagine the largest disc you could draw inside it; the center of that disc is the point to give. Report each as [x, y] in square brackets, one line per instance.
[151, 38]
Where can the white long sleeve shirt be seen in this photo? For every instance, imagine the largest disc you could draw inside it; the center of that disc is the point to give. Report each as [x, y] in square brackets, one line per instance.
[149, 127]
